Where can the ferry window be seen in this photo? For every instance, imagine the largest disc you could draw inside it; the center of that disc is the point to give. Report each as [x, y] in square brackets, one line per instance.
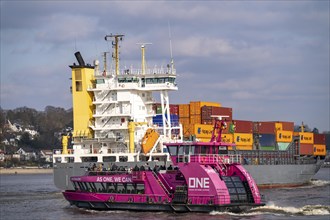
[192, 150]
[140, 188]
[172, 150]
[213, 149]
[121, 188]
[98, 187]
[161, 80]
[186, 150]
[123, 158]
[203, 149]
[78, 86]
[109, 159]
[130, 188]
[180, 151]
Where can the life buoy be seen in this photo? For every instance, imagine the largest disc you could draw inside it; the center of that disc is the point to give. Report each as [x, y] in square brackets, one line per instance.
[189, 201]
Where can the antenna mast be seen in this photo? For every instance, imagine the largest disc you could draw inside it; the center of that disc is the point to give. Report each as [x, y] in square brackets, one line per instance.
[115, 44]
[170, 37]
[143, 62]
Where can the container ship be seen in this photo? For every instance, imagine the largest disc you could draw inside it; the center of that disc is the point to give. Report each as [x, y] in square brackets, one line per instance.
[116, 121]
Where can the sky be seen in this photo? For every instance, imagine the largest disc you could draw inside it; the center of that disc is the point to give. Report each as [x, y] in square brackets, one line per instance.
[268, 60]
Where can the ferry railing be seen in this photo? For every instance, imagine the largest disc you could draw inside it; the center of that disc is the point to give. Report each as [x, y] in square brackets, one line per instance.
[214, 158]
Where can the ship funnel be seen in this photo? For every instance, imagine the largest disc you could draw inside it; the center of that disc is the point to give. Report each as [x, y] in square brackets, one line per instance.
[79, 58]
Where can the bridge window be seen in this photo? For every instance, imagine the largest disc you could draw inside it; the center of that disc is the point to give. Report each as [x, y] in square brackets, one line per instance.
[172, 150]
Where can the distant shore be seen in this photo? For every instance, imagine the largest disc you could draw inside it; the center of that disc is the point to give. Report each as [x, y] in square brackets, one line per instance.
[5, 171]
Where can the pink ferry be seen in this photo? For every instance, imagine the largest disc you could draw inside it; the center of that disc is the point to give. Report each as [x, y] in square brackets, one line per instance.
[201, 178]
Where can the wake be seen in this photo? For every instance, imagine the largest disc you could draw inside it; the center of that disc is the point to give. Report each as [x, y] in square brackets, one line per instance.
[272, 209]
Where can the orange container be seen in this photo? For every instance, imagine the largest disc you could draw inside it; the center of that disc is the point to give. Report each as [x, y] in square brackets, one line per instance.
[229, 138]
[320, 150]
[284, 136]
[195, 107]
[184, 110]
[203, 131]
[306, 137]
[306, 149]
[244, 147]
[243, 139]
[195, 119]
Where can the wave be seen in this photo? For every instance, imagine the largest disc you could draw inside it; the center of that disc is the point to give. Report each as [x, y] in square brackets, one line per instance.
[308, 210]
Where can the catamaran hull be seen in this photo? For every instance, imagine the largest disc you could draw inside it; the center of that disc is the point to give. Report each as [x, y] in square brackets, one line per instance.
[264, 175]
[127, 206]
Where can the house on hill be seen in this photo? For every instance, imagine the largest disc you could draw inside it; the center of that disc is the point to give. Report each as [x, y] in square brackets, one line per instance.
[47, 155]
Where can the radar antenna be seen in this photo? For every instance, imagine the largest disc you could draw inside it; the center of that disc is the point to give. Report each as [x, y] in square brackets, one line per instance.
[115, 44]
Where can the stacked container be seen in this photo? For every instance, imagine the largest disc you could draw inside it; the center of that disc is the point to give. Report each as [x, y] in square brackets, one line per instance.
[268, 133]
[243, 134]
[306, 142]
[208, 111]
[319, 145]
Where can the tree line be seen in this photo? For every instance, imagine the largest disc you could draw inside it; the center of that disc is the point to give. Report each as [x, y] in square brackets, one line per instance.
[49, 124]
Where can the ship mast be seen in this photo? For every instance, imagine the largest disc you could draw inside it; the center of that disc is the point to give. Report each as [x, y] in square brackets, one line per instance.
[143, 62]
[115, 44]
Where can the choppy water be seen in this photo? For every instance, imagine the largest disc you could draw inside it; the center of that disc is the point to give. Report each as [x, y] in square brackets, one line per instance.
[35, 197]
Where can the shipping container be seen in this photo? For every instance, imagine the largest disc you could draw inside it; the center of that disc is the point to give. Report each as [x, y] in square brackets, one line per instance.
[306, 149]
[305, 137]
[195, 107]
[228, 138]
[284, 136]
[157, 107]
[158, 120]
[270, 127]
[195, 119]
[184, 120]
[271, 148]
[188, 130]
[243, 138]
[244, 147]
[320, 150]
[208, 111]
[184, 110]
[278, 126]
[265, 127]
[266, 140]
[242, 126]
[283, 145]
[319, 138]
[287, 125]
[203, 131]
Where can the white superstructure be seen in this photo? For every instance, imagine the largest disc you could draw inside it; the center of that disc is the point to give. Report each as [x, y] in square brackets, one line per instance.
[123, 111]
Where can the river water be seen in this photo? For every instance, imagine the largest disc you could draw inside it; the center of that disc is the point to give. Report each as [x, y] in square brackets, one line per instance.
[34, 196]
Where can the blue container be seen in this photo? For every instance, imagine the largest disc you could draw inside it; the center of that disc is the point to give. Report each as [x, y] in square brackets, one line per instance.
[158, 120]
[267, 140]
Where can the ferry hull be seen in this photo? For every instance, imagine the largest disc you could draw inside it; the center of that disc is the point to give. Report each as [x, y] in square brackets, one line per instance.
[266, 176]
[165, 207]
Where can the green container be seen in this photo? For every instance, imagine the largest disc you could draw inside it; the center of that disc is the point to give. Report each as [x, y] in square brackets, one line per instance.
[267, 147]
[283, 145]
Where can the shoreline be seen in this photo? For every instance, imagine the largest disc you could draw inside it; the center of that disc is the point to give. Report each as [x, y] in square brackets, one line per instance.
[11, 171]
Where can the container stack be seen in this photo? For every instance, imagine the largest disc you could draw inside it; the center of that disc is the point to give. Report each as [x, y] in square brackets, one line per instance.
[319, 145]
[174, 115]
[198, 118]
[268, 133]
